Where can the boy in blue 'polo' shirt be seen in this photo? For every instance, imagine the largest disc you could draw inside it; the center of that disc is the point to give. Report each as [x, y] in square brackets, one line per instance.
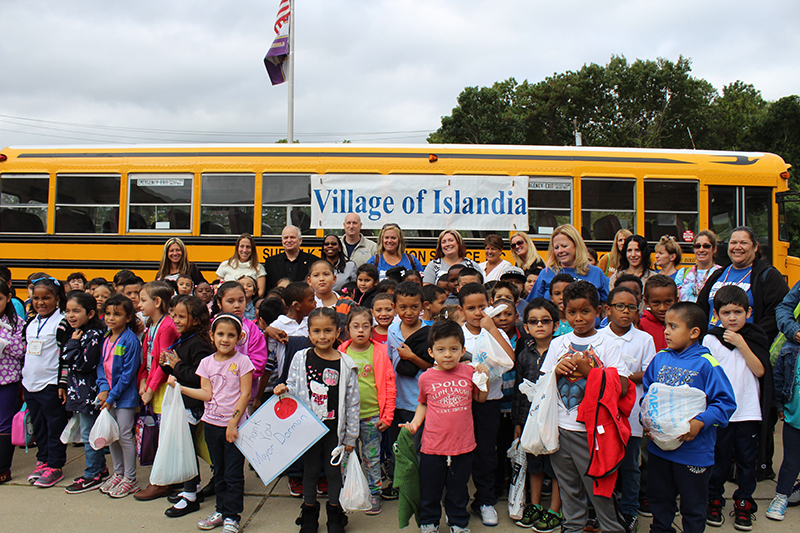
[686, 470]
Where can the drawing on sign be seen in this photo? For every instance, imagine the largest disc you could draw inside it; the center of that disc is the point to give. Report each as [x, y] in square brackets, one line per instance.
[277, 434]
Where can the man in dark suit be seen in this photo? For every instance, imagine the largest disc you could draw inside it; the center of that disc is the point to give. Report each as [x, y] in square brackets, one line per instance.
[292, 263]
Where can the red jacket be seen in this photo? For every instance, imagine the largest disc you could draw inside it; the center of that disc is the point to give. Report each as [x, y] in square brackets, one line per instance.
[384, 380]
[607, 428]
[650, 324]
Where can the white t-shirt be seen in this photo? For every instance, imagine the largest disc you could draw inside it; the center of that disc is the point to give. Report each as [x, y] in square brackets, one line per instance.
[496, 272]
[41, 357]
[571, 391]
[745, 384]
[292, 329]
[495, 386]
[637, 350]
[228, 273]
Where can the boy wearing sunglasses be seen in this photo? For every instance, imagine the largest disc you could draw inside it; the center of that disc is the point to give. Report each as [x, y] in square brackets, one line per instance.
[637, 349]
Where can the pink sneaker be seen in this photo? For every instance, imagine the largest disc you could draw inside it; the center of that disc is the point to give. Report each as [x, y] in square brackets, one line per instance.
[110, 484]
[49, 477]
[37, 472]
[125, 487]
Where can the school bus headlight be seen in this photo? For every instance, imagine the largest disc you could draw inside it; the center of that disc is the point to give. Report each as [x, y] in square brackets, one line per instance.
[3, 157]
[433, 158]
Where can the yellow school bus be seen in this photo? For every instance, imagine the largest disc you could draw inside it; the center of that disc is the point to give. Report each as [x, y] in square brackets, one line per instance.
[101, 209]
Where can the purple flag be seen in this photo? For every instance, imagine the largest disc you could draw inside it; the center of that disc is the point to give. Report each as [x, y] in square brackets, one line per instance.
[279, 51]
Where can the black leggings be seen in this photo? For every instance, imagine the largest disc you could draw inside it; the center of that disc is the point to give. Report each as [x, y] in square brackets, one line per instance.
[320, 452]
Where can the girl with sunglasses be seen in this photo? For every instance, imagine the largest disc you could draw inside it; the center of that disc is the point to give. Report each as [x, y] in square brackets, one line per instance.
[690, 281]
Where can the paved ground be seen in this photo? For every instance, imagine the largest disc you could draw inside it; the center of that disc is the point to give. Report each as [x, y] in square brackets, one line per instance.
[267, 509]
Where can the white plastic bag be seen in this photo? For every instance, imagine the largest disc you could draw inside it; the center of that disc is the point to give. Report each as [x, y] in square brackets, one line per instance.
[488, 352]
[72, 431]
[540, 434]
[104, 431]
[355, 495]
[519, 474]
[666, 411]
[175, 460]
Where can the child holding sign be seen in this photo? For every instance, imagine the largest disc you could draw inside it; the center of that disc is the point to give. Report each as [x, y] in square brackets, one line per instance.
[226, 378]
[326, 381]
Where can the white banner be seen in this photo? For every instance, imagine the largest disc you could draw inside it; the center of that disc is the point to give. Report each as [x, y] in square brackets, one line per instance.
[277, 434]
[498, 203]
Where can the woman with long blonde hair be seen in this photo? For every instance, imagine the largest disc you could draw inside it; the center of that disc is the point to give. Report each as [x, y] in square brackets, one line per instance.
[568, 254]
[524, 252]
[609, 263]
[392, 251]
[175, 262]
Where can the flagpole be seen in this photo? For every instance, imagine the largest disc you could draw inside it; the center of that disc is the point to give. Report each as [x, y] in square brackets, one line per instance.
[290, 99]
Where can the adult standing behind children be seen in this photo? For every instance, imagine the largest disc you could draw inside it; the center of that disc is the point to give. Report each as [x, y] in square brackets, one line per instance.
[568, 254]
[692, 280]
[174, 262]
[355, 246]
[344, 269]
[609, 263]
[764, 284]
[450, 250]
[742, 350]
[244, 262]
[524, 252]
[293, 263]
[494, 266]
[391, 251]
[635, 261]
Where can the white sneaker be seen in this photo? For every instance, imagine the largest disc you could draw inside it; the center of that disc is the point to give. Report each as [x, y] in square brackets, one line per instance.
[429, 528]
[794, 497]
[488, 515]
[457, 529]
[230, 526]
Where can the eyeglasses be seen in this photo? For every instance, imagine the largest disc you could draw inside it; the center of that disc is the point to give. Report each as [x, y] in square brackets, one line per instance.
[703, 245]
[544, 322]
[668, 237]
[330, 244]
[621, 307]
[37, 280]
[517, 244]
[390, 225]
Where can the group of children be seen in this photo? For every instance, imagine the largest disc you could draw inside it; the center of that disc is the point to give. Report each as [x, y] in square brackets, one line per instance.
[379, 359]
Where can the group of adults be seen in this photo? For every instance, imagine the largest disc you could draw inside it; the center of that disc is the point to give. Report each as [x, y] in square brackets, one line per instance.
[567, 253]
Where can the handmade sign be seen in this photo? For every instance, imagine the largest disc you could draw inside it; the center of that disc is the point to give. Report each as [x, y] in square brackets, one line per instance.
[279, 432]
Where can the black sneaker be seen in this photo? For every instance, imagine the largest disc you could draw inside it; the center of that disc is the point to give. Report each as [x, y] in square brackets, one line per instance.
[390, 493]
[743, 515]
[530, 514]
[630, 522]
[547, 487]
[644, 509]
[84, 485]
[714, 515]
[592, 523]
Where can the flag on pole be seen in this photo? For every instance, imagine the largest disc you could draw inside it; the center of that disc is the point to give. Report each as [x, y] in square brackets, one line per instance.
[279, 51]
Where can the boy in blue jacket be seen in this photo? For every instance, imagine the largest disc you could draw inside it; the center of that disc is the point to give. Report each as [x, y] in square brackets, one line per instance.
[686, 470]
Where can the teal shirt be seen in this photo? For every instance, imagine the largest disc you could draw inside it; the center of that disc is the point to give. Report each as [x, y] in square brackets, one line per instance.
[791, 411]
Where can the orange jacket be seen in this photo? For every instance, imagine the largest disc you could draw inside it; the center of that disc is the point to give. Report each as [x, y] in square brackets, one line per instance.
[607, 428]
[384, 380]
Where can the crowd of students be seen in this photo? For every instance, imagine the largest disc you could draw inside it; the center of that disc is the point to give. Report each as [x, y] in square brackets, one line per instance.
[385, 354]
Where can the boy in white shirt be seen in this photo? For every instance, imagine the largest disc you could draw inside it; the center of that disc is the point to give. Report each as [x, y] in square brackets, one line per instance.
[571, 357]
[742, 349]
[472, 300]
[637, 350]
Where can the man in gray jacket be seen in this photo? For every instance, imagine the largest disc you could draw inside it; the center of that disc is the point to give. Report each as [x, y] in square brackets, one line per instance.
[355, 246]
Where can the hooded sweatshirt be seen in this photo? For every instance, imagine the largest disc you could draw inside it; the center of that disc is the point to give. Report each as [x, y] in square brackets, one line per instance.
[652, 325]
[696, 367]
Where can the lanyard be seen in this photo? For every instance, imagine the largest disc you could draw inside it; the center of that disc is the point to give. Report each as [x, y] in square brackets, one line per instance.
[151, 337]
[741, 280]
[179, 341]
[39, 321]
[109, 351]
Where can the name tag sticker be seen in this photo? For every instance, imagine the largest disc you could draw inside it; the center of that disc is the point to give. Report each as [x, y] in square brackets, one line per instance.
[34, 348]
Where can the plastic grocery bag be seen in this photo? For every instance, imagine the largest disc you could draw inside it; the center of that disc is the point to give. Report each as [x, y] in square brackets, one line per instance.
[488, 352]
[104, 431]
[519, 473]
[666, 411]
[540, 434]
[175, 460]
[355, 495]
[72, 431]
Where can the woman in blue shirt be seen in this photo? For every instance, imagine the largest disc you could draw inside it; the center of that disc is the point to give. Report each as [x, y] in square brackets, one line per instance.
[392, 251]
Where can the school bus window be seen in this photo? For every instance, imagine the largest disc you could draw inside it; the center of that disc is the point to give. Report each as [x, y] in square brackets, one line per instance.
[549, 204]
[160, 202]
[285, 199]
[599, 222]
[670, 208]
[23, 203]
[87, 203]
[226, 203]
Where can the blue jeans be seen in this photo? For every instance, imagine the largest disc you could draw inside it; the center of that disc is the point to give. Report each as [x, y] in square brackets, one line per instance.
[95, 459]
[630, 477]
[369, 444]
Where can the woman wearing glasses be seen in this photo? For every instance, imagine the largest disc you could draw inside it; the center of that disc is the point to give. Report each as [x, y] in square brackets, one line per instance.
[690, 281]
[392, 251]
[494, 266]
[764, 285]
[524, 252]
[450, 250]
[344, 270]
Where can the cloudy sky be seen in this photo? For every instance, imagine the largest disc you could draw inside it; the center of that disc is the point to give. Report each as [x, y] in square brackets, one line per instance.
[94, 71]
